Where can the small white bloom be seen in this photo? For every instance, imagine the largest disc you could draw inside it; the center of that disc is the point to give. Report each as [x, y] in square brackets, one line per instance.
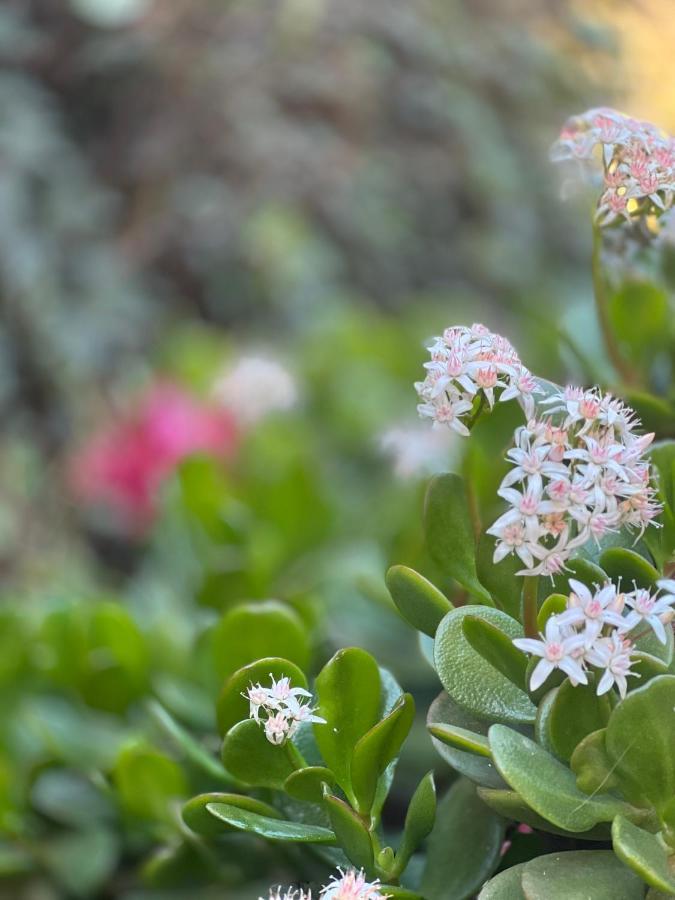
[278, 727]
[289, 894]
[557, 650]
[592, 610]
[352, 885]
[254, 387]
[650, 609]
[613, 655]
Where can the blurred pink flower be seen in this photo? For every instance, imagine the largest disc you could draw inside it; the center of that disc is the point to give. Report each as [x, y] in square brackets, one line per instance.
[123, 466]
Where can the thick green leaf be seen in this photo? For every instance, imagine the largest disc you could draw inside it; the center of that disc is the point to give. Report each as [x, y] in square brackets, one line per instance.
[420, 603]
[479, 769]
[650, 645]
[349, 695]
[398, 893]
[464, 846]
[469, 679]
[575, 713]
[662, 455]
[148, 782]
[79, 861]
[626, 567]
[188, 746]
[251, 758]
[352, 835]
[547, 785]
[460, 738]
[639, 335]
[251, 631]
[505, 886]
[307, 784]
[500, 579]
[449, 533]
[645, 854]
[269, 827]
[541, 726]
[377, 748]
[197, 817]
[592, 765]
[497, 648]
[511, 805]
[595, 874]
[419, 820]
[640, 739]
[584, 570]
[233, 707]
[552, 605]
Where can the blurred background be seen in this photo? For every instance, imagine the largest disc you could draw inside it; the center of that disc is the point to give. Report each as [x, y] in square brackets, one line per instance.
[226, 231]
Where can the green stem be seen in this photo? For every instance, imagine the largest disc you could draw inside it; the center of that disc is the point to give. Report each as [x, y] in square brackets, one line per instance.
[624, 369]
[295, 756]
[530, 596]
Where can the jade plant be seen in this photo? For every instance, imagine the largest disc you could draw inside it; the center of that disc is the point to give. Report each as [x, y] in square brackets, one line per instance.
[549, 628]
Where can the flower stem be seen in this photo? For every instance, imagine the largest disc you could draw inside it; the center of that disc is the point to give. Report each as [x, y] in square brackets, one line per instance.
[530, 595]
[295, 756]
[624, 369]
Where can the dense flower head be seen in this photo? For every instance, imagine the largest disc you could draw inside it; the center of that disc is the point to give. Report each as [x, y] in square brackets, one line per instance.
[636, 158]
[253, 387]
[467, 363]
[352, 885]
[280, 708]
[594, 632]
[123, 466]
[576, 475]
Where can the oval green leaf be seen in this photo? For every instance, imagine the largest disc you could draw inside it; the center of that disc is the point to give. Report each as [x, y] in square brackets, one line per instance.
[471, 681]
[273, 829]
[420, 603]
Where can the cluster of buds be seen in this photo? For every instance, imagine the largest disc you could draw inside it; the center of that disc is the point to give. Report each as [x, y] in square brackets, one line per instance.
[595, 631]
[280, 709]
[467, 363]
[576, 475]
[637, 160]
[349, 885]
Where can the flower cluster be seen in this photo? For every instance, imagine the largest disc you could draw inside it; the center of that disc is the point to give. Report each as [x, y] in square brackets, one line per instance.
[576, 475]
[637, 159]
[349, 885]
[595, 631]
[280, 709]
[352, 885]
[466, 362]
[254, 387]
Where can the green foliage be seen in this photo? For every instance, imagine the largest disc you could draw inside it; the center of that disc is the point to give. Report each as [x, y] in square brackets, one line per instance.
[418, 601]
[269, 827]
[547, 785]
[559, 876]
[249, 756]
[470, 680]
[254, 630]
[449, 533]
[349, 693]
[464, 845]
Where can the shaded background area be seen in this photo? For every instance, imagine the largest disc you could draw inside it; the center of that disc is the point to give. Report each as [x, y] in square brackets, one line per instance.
[324, 183]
